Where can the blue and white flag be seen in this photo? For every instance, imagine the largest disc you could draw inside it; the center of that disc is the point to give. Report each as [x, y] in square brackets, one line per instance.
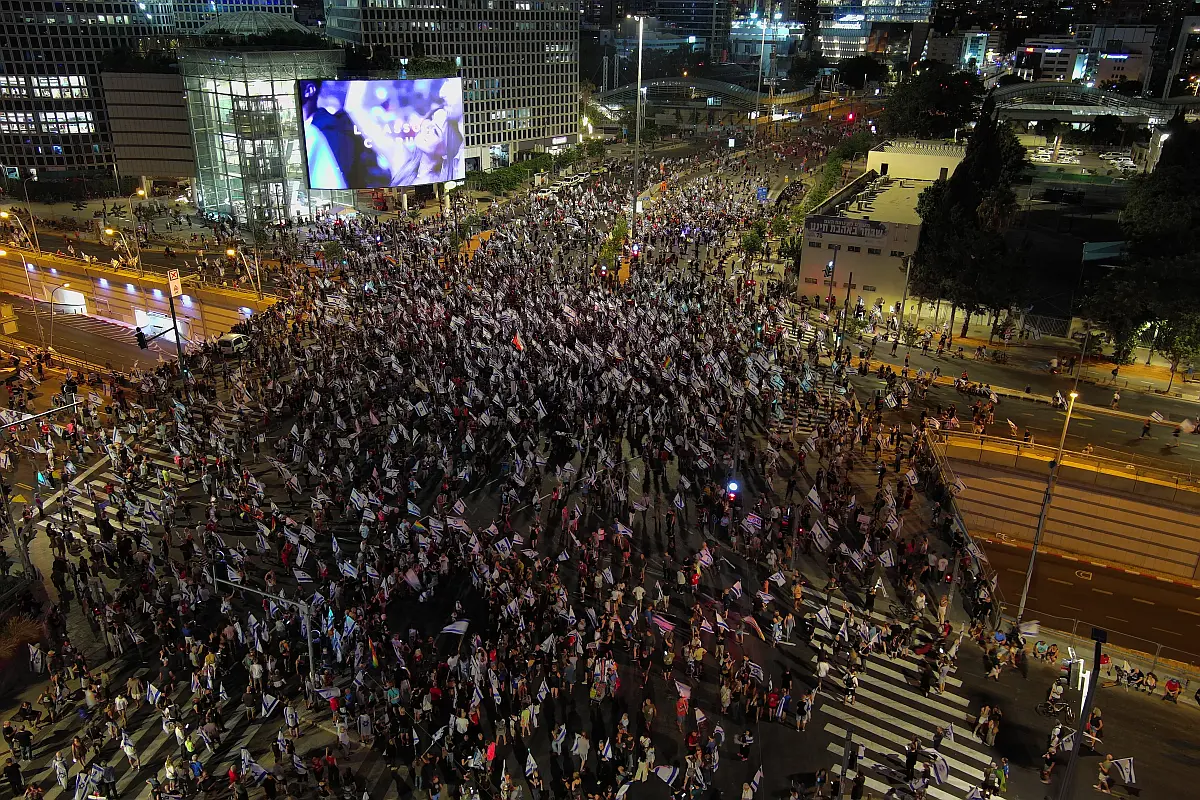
[756, 781]
[606, 750]
[269, 704]
[755, 671]
[1125, 767]
[530, 764]
[543, 690]
[1031, 628]
[667, 774]
[781, 708]
[823, 616]
[153, 695]
[414, 509]
[736, 589]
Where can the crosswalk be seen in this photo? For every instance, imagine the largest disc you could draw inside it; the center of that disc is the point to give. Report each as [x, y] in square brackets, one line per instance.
[149, 493]
[801, 421]
[889, 710]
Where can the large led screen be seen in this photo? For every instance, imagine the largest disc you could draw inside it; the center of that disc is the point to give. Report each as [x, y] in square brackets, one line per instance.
[378, 134]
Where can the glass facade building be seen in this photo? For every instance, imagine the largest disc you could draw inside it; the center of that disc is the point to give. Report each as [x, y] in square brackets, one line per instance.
[850, 28]
[191, 15]
[519, 61]
[242, 107]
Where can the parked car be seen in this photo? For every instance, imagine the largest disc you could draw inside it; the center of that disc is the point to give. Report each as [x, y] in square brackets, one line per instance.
[1097, 337]
[231, 344]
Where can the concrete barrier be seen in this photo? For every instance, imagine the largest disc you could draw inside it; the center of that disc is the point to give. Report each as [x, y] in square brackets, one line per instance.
[125, 296]
[1097, 522]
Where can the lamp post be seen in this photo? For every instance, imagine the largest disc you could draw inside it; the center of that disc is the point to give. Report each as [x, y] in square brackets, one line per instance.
[762, 60]
[133, 218]
[32, 222]
[53, 292]
[255, 274]
[637, 126]
[1046, 498]
[28, 281]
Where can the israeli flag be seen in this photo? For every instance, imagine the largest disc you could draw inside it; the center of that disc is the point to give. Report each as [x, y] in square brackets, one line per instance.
[736, 590]
[153, 695]
[823, 616]
[1125, 767]
[755, 671]
[667, 774]
[543, 690]
[298, 764]
[530, 765]
[781, 708]
[459, 627]
[269, 704]
[756, 780]
[606, 750]
[1031, 629]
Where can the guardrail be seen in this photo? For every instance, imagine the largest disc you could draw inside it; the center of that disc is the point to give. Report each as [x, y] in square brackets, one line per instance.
[1146, 654]
[942, 491]
[25, 350]
[1182, 488]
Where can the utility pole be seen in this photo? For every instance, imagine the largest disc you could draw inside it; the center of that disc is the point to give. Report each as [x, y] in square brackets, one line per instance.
[1064, 789]
[300, 605]
[1046, 499]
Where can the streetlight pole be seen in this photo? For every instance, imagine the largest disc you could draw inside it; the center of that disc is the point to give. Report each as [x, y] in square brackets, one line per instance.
[255, 274]
[637, 135]
[25, 268]
[136, 238]
[762, 60]
[32, 221]
[53, 292]
[1046, 498]
[904, 297]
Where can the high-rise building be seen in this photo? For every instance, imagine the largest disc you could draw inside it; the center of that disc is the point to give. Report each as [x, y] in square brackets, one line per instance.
[191, 15]
[52, 114]
[1184, 75]
[850, 28]
[707, 20]
[519, 61]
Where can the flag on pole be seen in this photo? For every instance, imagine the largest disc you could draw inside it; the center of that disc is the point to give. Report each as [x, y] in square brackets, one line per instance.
[153, 695]
[517, 343]
[684, 690]
[459, 627]
[1012, 426]
[530, 764]
[1125, 767]
[667, 774]
[269, 704]
[756, 780]
[753, 623]
[736, 589]
[1157, 417]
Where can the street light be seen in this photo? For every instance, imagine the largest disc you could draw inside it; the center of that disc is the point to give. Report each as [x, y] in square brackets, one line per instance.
[1049, 495]
[637, 125]
[256, 273]
[28, 281]
[53, 292]
[32, 221]
[762, 59]
[137, 239]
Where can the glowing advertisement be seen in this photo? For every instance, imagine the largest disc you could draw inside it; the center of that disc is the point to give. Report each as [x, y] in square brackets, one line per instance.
[380, 134]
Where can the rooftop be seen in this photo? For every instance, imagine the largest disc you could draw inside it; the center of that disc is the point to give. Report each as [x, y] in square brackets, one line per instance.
[918, 148]
[886, 199]
[251, 23]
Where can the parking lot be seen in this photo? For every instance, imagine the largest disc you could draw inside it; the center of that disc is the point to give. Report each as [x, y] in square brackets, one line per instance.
[1113, 162]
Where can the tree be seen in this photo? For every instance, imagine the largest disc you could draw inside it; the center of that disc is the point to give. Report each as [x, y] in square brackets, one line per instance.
[961, 252]
[1106, 129]
[805, 70]
[858, 71]
[931, 102]
[752, 244]
[1162, 213]
[1048, 127]
[1179, 340]
[1124, 86]
[779, 226]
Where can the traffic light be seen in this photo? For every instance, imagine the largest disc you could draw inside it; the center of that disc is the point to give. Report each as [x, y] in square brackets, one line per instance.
[829, 270]
[850, 117]
[141, 338]
[731, 492]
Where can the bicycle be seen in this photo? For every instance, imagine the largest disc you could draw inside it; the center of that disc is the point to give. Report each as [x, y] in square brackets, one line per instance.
[1049, 709]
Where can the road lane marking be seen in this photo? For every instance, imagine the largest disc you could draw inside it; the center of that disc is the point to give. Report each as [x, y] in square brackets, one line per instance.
[1106, 591]
[1185, 611]
[1118, 619]
[1140, 600]
[1056, 580]
[1164, 630]
[1064, 605]
[1010, 569]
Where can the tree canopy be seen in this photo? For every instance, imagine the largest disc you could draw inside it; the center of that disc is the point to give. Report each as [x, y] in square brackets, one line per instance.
[856, 72]
[931, 102]
[961, 253]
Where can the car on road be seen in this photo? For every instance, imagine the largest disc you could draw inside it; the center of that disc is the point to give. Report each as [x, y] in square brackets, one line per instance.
[231, 344]
[1113, 155]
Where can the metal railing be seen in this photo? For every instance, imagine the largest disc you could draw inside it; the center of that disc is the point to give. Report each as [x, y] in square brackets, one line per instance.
[1146, 654]
[943, 492]
[1080, 469]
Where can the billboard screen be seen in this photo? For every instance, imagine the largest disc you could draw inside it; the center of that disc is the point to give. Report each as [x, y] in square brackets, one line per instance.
[379, 134]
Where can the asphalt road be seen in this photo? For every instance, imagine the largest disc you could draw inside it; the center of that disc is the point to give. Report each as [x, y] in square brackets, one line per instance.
[1111, 435]
[85, 337]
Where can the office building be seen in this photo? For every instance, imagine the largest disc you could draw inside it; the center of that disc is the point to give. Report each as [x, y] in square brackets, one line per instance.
[147, 116]
[242, 111]
[1107, 43]
[1051, 58]
[705, 19]
[53, 120]
[1184, 76]
[870, 228]
[781, 41]
[888, 28]
[191, 15]
[973, 50]
[519, 62]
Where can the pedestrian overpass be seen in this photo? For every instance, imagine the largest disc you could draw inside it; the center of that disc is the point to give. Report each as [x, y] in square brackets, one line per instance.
[702, 94]
[1075, 103]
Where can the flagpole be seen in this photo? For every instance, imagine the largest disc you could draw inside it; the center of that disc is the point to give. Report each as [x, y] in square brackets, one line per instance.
[300, 605]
